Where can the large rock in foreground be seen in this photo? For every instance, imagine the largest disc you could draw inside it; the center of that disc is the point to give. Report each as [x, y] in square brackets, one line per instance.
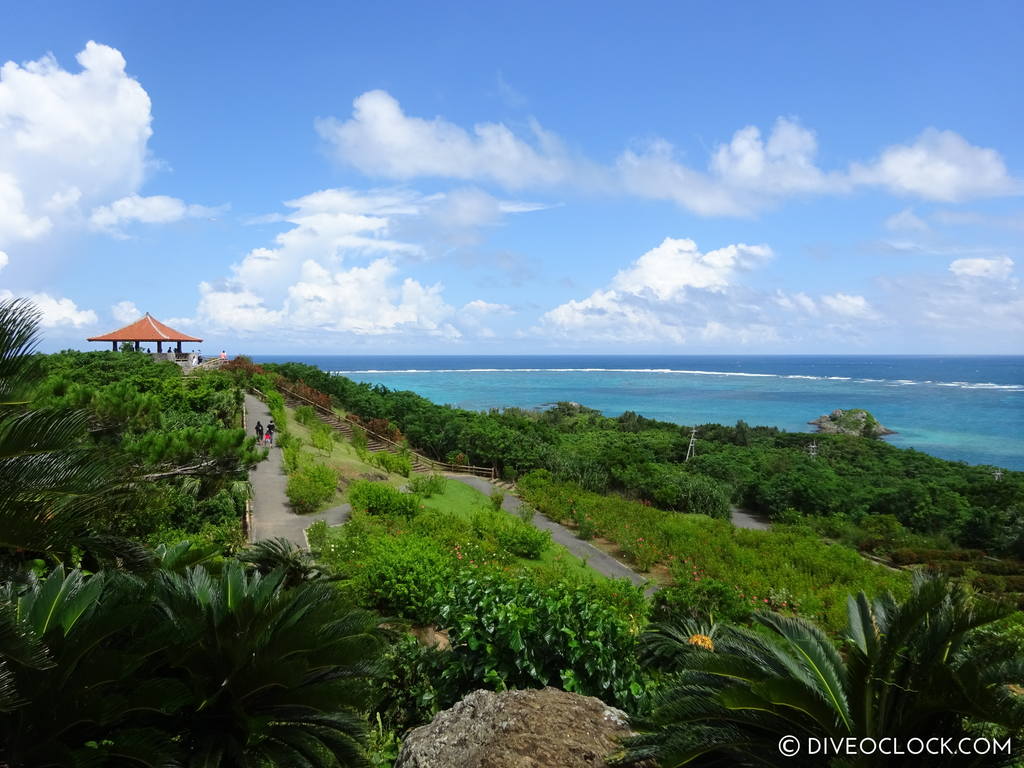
[517, 729]
[855, 421]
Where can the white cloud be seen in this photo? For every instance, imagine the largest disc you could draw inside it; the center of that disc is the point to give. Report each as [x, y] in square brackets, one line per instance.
[68, 139]
[673, 293]
[155, 209]
[125, 312]
[995, 269]
[381, 140]
[480, 307]
[906, 220]
[744, 175]
[848, 305]
[3, 259]
[664, 272]
[796, 302]
[56, 311]
[939, 165]
[335, 270]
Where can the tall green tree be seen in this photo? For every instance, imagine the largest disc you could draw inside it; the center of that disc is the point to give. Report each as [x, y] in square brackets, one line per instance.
[906, 671]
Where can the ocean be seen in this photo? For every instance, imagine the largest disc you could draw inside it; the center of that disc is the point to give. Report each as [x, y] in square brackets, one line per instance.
[968, 408]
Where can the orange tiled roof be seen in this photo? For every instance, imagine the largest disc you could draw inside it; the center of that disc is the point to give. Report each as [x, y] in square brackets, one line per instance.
[146, 328]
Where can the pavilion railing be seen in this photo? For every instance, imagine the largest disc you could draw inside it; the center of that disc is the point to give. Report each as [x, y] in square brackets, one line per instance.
[433, 464]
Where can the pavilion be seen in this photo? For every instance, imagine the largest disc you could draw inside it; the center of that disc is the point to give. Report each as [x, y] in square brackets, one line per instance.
[146, 328]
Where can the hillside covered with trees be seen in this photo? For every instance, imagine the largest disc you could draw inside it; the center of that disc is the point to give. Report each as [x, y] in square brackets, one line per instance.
[139, 627]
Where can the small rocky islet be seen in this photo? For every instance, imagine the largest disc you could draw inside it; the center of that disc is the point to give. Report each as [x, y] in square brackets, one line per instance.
[851, 421]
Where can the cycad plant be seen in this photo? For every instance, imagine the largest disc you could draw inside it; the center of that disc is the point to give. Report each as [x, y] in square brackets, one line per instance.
[903, 671]
[278, 676]
[54, 483]
[182, 668]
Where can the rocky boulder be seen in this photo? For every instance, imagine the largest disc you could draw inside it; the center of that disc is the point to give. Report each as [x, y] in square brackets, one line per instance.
[548, 728]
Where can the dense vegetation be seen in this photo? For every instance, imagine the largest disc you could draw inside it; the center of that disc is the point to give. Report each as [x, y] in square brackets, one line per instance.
[725, 571]
[136, 628]
[758, 468]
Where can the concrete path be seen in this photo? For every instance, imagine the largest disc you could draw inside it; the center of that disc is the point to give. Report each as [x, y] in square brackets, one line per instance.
[597, 559]
[271, 515]
[751, 520]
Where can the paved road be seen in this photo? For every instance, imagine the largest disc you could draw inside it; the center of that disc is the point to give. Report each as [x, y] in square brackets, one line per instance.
[600, 561]
[750, 520]
[271, 515]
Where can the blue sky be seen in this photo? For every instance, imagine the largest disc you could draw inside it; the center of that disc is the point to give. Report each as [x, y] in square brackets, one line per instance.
[529, 177]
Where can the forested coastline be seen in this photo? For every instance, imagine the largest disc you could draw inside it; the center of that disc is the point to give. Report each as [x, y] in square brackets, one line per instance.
[138, 626]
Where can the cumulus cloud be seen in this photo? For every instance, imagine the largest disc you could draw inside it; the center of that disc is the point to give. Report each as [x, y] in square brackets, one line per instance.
[155, 209]
[56, 311]
[666, 271]
[3, 259]
[939, 165]
[75, 142]
[68, 139]
[336, 269]
[996, 269]
[742, 176]
[380, 139]
[125, 312]
[673, 293]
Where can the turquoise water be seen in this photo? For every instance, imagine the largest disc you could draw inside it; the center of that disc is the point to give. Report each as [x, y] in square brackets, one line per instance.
[964, 408]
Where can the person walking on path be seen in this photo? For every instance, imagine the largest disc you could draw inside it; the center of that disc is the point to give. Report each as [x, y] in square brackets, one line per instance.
[259, 432]
[270, 431]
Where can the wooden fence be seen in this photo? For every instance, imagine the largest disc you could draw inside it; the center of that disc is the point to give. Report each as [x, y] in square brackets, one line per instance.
[390, 445]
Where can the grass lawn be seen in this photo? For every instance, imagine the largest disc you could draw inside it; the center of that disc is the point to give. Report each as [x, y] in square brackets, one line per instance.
[462, 501]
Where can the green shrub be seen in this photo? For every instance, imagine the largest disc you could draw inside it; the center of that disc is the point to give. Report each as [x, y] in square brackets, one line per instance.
[381, 499]
[292, 456]
[511, 534]
[881, 532]
[510, 633]
[428, 485]
[497, 499]
[404, 575]
[311, 487]
[359, 440]
[305, 415]
[316, 534]
[322, 437]
[394, 463]
[907, 556]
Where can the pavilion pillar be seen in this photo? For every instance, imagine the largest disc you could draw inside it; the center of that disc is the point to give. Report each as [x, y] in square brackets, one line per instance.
[179, 347]
[136, 346]
[113, 345]
[159, 347]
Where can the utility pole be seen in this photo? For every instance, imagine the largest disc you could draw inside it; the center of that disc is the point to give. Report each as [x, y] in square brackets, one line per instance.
[998, 475]
[691, 450]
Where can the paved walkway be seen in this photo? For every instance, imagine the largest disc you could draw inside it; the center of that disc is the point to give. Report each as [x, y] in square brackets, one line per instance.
[271, 515]
[751, 520]
[597, 559]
